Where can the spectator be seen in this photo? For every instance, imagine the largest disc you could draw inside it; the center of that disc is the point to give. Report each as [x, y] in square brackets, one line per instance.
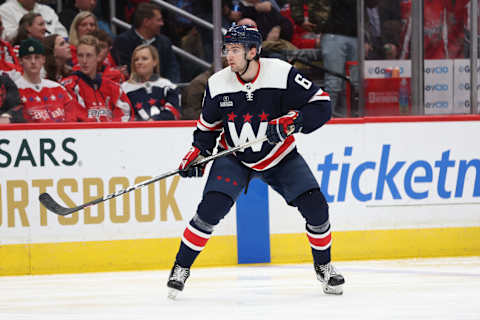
[58, 55]
[316, 17]
[13, 10]
[153, 97]
[70, 12]
[267, 18]
[9, 100]
[12, 70]
[126, 8]
[383, 29]
[84, 23]
[106, 64]
[6, 49]
[146, 30]
[42, 100]
[101, 98]
[304, 32]
[446, 29]
[32, 25]
[339, 45]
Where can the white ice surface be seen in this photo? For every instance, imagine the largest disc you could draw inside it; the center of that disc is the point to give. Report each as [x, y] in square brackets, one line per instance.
[447, 288]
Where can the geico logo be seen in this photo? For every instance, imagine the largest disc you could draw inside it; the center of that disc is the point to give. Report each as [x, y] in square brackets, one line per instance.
[440, 104]
[437, 87]
[467, 69]
[466, 86]
[437, 69]
[380, 70]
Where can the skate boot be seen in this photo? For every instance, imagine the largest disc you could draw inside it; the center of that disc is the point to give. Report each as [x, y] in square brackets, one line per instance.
[176, 280]
[331, 280]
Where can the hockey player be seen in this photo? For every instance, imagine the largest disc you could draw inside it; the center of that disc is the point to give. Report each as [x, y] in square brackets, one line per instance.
[250, 99]
[103, 99]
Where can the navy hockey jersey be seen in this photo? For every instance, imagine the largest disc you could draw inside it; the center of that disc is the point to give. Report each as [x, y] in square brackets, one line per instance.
[157, 99]
[240, 111]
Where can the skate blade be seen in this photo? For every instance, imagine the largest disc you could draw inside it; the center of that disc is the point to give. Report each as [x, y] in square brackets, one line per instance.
[172, 293]
[338, 290]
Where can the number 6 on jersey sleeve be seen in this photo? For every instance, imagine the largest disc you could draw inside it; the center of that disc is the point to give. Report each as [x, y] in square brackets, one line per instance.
[304, 82]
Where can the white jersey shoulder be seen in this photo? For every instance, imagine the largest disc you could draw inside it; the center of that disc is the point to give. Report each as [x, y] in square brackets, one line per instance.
[22, 83]
[273, 74]
[128, 86]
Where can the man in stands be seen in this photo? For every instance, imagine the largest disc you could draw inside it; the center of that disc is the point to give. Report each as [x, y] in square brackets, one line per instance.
[147, 23]
[41, 100]
[13, 10]
[101, 98]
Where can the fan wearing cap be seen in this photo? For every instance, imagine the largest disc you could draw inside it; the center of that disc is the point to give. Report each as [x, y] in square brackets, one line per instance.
[42, 100]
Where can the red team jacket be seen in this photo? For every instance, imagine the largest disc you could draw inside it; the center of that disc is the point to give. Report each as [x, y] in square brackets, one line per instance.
[7, 53]
[103, 99]
[47, 101]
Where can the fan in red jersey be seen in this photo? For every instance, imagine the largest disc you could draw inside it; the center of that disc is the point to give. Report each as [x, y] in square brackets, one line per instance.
[103, 99]
[42, 100]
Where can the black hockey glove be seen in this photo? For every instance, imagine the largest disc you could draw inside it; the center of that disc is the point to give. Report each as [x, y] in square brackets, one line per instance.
[187, 166]
[280, 128]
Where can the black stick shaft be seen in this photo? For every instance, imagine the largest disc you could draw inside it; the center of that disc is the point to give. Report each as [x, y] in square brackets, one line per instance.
[48, 202]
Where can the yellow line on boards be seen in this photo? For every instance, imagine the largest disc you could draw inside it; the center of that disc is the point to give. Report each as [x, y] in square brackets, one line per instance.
[148, 254]
[382, 244]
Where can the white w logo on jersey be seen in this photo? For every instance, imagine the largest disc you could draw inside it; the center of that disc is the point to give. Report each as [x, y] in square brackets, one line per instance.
[247, 135]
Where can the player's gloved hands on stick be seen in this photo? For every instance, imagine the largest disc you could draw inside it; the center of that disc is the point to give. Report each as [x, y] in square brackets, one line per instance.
[280, 128]
[187, 166]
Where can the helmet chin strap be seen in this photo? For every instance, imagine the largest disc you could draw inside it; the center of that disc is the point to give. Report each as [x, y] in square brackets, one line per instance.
[246, 68]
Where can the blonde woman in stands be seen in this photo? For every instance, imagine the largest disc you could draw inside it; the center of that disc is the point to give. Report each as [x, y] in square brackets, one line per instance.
[152, 97]
[84, 23]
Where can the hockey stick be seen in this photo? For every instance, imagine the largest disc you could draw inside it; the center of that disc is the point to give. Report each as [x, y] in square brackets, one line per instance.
[49, 203]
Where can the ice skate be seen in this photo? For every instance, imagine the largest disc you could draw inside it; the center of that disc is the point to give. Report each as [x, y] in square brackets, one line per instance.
[331, 280]
[176, 280]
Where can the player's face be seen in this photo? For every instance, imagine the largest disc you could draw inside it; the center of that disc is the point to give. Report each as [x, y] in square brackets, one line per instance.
[144, 63]
[86, 26]
[235, 55]
[62, 49]
[38, 28]
[32, 64]
[87, 59]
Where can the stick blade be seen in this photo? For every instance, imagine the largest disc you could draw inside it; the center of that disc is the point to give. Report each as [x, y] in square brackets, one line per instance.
[54, 207]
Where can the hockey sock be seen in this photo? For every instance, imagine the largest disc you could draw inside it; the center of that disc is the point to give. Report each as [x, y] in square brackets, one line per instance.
[320, 239]
[213, 207]
[194, 239]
